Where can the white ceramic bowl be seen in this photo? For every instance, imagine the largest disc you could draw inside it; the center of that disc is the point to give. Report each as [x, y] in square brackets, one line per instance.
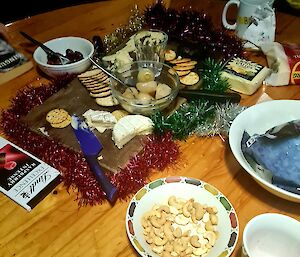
[271, 234]
[158, 192]
[61, 45]
[258, 119]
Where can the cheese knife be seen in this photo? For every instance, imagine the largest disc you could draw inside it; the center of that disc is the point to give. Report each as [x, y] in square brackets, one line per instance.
[91, 147]
[208, 95]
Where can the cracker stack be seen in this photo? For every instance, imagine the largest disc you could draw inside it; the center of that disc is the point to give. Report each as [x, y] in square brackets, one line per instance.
[183, 67]
[98, 85]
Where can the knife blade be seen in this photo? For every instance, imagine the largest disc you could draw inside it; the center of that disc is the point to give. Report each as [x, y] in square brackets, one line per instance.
[217, 97]
[91, 147]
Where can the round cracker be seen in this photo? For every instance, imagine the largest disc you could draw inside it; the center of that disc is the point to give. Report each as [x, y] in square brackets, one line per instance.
[89, 73]
[180, 60]
[191, 79]
[101, 94]
[170, 55]
[63, 124]
[181, 68]
[107, 101]
[100, 90]
[183, 72]
[187, 63]
[57, 115]
[94, 78]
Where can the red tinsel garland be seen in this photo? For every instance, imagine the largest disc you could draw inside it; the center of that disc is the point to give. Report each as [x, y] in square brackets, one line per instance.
[158, 151]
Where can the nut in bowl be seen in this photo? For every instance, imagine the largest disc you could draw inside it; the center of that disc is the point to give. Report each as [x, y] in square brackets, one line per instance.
[181, 216]
[72, 47]
[150, 88]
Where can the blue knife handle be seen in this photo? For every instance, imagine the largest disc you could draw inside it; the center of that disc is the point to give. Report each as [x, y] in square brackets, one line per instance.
[108, 188]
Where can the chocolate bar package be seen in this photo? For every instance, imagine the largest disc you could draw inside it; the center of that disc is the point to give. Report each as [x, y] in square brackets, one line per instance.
[23, 177]
[275, 155]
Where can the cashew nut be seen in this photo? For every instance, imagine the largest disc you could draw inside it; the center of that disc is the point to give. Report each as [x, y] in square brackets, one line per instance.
[209, 226]
[211, 236]
[189, 250]
[147, 230]
[212, 210]
[199, 210]
[193, 216]
[160, 241]
[166, 254]
[181, 219]
[205, 217]
[187, 207]
[145, 223]
[186, 233]
[152, 213]
[169, 247]
[177, 232]
[158, 222]
[180, 246]
[214, 219]
[194, 241]
[170, 217]
[158, 249]
[173, 202]
[159, 232]
[164, 208]
[199, 251]
[168, 230]
[174, 210]
[149, 239]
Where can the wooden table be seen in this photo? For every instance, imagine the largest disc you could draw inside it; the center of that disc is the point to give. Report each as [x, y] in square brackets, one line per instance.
[56, 227]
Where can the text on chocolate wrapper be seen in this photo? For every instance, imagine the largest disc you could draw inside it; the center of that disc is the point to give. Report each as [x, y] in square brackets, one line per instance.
[36, 184]
[15, 177]
[30, 179]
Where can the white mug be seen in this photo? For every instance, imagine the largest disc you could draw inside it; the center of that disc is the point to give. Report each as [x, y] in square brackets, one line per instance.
[271, 235]
[246, 8]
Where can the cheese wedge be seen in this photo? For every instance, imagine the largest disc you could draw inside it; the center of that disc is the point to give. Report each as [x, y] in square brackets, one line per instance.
[130, 126]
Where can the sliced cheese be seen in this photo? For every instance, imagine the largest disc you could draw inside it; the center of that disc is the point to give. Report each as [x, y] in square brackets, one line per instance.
[130, 126]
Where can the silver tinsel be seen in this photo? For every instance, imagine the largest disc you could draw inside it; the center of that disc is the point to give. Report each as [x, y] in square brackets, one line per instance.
[116, 38]
[222, 120]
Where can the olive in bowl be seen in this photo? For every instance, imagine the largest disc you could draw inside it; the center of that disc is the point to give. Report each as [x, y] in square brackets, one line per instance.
[77, 49]
[150, 87]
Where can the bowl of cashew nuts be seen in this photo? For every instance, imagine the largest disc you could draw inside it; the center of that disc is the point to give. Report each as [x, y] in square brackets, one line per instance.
[181, 216]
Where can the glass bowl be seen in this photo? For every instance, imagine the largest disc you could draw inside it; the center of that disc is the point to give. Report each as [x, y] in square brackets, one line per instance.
[129, 75]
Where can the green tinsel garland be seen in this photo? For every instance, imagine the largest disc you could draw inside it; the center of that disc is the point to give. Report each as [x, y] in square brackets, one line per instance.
[183, 121]
[200, 117]
[211, 75]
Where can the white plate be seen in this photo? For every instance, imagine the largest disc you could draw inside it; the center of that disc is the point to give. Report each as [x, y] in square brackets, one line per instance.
[258, 119]
[160, 190]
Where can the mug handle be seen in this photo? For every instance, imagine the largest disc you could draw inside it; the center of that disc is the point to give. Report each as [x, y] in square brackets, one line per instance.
[224, 14]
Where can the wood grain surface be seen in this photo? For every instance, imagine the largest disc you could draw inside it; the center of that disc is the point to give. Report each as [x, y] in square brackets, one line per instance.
[56, 226]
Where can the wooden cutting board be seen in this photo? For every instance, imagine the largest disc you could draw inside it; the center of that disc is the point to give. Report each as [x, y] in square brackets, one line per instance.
[76, 100]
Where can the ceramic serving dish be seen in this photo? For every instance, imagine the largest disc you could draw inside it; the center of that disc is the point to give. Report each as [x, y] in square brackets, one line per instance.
[160, 190]
[60, 45]
[258, 119]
